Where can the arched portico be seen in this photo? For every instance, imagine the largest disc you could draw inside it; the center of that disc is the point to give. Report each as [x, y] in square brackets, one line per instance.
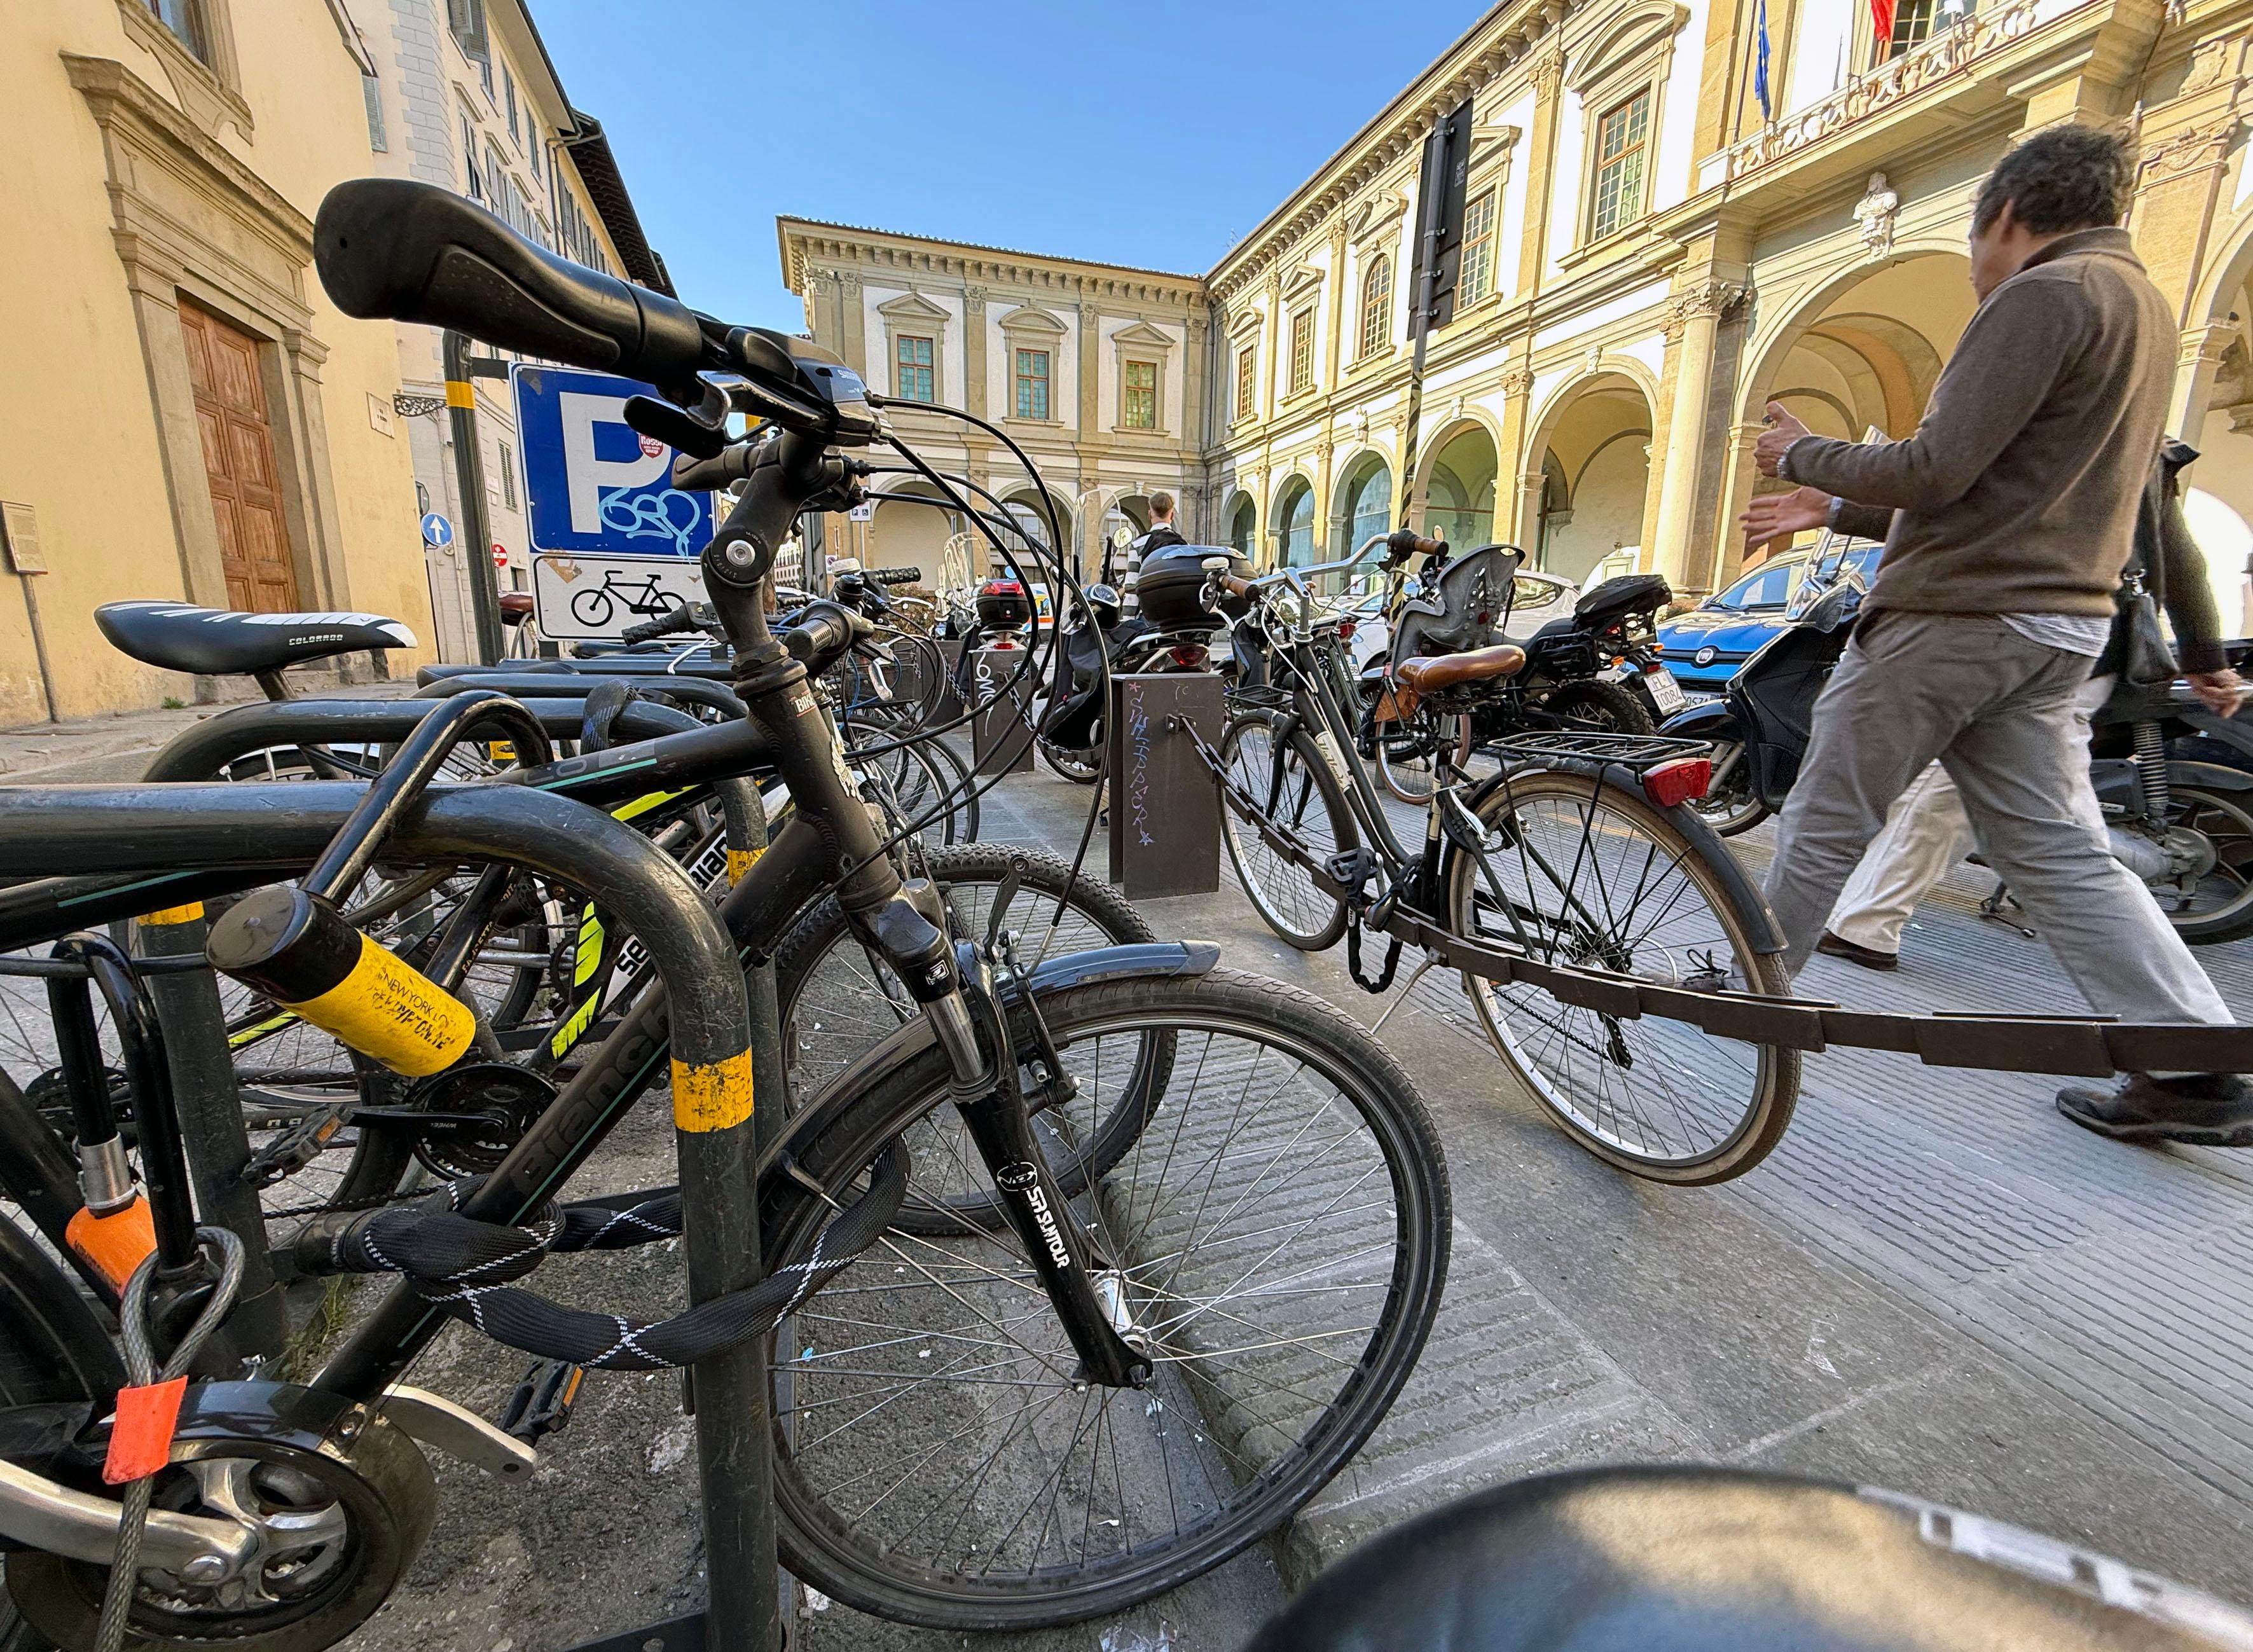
[1592, 446]
[1362, 503]
[2213, 413]
[1240, 525]
[903, 532]
[1859, 353]
[1291, 522]
[1456, 480]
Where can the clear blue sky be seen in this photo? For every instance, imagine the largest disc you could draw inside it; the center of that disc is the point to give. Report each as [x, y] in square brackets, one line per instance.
[1155, 134]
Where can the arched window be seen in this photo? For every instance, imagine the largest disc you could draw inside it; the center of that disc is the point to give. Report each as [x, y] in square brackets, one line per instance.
[1370, 508]
[1295, 525]
[1377, 306]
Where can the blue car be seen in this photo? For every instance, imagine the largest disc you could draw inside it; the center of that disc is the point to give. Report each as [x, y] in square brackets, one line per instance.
[1707, 646]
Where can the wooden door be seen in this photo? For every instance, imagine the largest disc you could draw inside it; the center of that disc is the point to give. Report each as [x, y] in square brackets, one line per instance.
[237, 440]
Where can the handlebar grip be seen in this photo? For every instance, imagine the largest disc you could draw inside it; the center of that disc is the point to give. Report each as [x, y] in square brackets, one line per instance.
[1234, 586]
[693, 475]
[391, 248]
[896, 576]
[681, 619]
[1404, 544]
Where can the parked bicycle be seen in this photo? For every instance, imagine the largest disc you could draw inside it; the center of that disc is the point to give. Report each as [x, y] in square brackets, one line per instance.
[1581, 850]
[1177, 1266]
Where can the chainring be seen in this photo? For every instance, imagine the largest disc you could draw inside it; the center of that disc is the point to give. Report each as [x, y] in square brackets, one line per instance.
[339, 1503]
[504, 1101]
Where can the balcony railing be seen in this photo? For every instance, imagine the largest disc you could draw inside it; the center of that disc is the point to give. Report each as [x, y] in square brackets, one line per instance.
[1954, 53]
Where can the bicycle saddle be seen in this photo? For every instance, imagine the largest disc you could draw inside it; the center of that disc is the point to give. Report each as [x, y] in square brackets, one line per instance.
[1687, 1558]
[220, 642]
[1427, 676]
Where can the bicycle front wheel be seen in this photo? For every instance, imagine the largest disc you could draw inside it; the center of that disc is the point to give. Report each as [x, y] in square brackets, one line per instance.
[1277, 1239]
[1296, 794]
[1597, 879]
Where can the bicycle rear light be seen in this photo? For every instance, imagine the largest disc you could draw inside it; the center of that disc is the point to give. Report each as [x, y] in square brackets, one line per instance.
[1191, 656]
[1677, 782]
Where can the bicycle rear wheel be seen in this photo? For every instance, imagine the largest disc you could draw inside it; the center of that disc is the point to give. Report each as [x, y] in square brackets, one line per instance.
[1279, 1236]
[1599, 879]
[1297, 794]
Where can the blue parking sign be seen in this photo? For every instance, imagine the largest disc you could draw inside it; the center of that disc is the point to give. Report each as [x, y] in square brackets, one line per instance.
[591, 482]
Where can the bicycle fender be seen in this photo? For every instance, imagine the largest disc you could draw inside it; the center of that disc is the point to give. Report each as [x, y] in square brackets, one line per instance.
[1736, 883]
[1711, 721]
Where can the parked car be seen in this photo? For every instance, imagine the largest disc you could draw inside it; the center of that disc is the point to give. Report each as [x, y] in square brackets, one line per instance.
[1707, 646]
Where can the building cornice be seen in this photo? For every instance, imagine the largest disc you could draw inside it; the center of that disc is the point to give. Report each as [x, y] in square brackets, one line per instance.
[1503, 37]
[808, 245]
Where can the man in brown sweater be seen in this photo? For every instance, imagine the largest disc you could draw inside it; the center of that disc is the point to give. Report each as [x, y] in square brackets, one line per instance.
[2013, 512]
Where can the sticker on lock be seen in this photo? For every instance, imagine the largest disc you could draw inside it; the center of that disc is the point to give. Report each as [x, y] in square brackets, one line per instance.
[295, 949]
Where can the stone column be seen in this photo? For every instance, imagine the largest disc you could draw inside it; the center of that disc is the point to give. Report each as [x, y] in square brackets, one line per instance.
[1090, 336]
[1195, 363]
[1334, 351]
[2202, 348]
[1540, 174]
[1692, 319]
[1511, 508]
[973, 349]
[853, 344]
[1322, 451]
[1271, 349]
[1739, 481]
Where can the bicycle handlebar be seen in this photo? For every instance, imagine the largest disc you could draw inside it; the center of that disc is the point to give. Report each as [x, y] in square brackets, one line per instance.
[413, 252]
[681, 619]
[893, 576]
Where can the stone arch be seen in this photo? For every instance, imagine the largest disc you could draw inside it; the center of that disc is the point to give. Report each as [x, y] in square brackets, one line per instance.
[901, 535]
[1240, 523]
[1294, 520]
[2213, 411]
[1022, 502]
[1364, 499]
[1588, 497]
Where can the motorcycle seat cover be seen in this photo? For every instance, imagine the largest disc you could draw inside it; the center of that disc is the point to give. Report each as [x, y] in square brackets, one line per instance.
[1426, 676]
[220, 642]
[1688, 1558]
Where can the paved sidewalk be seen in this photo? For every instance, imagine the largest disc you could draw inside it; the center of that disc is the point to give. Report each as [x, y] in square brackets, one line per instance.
[118, 747]
[1936, 1284]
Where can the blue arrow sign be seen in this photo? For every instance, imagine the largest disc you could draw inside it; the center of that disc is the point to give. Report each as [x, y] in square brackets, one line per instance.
[590, 482]
[437, 531]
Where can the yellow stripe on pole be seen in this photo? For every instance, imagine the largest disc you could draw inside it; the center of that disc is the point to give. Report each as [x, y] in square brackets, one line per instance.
[460, 393]
[712, 1095]
[192, 912]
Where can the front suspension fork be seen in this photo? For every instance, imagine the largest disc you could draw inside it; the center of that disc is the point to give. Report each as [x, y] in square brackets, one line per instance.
[955, 987]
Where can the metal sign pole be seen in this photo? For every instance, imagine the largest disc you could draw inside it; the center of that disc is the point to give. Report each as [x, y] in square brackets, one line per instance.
[1447, 155]
[470, 478]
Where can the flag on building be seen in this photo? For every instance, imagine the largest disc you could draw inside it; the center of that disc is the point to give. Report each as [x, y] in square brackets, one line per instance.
[1759, 59]
[1882, 26]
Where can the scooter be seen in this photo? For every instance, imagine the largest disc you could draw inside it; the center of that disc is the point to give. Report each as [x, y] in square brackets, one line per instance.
[2175, 781]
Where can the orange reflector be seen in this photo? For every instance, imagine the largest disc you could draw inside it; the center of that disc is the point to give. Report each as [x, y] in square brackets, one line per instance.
[1677, 782]
[141, 1440]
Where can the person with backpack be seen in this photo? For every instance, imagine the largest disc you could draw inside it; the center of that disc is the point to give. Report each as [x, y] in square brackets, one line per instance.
[1162, 534]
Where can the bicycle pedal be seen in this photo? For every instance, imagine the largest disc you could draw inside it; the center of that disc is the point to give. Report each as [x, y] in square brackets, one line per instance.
[542, 1401]
[294, 1148]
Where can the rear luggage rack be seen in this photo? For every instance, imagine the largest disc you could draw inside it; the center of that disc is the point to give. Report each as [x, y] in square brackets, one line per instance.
[1638, 752]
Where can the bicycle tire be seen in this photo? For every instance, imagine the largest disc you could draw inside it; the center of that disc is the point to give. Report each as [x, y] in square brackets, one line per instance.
[859, 1557]
[1618, 1129]
[1285, 898]
[2232, 921]
[835, 1004]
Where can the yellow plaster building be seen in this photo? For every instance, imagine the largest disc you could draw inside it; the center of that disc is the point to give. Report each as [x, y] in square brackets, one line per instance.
[1649, 258]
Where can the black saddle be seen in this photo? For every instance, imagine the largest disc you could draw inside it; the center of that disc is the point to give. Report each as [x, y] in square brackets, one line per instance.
[219, 642]
[1696, 1559]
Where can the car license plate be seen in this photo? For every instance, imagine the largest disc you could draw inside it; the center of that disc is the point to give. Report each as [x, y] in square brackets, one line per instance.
[1665, 692]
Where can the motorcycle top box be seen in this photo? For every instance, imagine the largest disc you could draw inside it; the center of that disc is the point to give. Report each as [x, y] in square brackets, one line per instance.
[1615, 599]
[1171, 587]
[1002, 605]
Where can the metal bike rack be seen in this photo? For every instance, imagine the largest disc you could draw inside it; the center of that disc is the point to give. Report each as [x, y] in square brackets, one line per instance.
[237, 830]
[2096, 1046]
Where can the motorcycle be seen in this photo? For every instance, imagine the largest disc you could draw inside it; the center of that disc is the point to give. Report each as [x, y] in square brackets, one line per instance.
[1600, 666]
[2175, 782]
[1173, 632]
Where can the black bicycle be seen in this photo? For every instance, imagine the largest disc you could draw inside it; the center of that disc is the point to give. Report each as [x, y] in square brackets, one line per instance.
[1179, 1263]
[1579, 852]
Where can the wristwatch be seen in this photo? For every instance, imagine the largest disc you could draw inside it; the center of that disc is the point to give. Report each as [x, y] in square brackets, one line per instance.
[1830, 513]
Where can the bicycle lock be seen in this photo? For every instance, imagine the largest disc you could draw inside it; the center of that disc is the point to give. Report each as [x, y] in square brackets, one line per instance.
[70, 832]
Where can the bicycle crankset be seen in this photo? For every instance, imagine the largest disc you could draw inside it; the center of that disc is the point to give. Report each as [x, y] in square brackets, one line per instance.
[337, 1502]
[463, 1122]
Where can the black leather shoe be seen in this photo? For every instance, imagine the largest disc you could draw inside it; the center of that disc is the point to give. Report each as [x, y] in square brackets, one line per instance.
[1867, 956]
[2206, 1109]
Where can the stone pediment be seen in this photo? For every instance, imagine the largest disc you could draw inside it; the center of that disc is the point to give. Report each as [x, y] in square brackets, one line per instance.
[1633, 34]
[1376, 216]
[1033, 318]
[912, 308]
[1143, 335]
[1300, 282]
